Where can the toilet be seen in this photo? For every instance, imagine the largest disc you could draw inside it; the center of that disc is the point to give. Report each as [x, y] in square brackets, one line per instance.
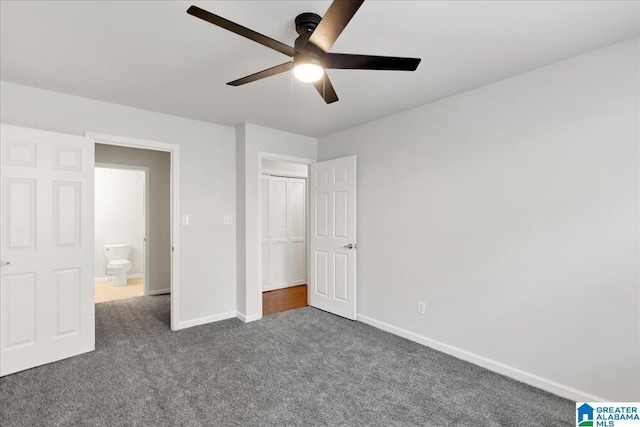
[118, 264]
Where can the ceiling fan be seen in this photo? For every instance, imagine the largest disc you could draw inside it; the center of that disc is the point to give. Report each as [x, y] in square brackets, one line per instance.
[310, 54]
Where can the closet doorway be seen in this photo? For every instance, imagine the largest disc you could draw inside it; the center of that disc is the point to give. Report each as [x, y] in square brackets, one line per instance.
[283, 210]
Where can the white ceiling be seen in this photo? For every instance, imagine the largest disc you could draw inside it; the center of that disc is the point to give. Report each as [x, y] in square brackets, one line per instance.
[154, 56]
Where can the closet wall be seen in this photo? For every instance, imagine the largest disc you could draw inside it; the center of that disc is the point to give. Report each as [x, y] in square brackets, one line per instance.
[283, 225]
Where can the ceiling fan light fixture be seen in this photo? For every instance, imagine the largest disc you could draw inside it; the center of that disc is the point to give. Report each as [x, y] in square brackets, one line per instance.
[308, 70]
[310, 52]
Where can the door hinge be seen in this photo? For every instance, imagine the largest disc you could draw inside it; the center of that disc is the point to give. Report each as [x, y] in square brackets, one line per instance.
[172, 249]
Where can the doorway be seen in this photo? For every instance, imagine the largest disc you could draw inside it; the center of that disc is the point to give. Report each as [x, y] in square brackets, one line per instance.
[163, 232]
[330, 233]
[283, 230]
[121, 229]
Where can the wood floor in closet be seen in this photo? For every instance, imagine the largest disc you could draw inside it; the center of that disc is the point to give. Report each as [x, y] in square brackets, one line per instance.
[284, 299]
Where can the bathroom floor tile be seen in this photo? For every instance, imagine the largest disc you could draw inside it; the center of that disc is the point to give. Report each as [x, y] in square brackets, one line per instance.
[106, 292]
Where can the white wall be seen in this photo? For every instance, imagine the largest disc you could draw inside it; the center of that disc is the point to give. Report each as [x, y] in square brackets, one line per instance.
[280, 168]
[252, 140]
[119, 216]
[512, 211]
[207, 183]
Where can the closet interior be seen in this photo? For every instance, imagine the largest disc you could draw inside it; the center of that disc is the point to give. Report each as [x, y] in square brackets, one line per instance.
[283, 231]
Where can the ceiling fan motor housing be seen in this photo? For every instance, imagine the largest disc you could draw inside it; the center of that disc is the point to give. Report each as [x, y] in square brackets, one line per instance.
[307, 22]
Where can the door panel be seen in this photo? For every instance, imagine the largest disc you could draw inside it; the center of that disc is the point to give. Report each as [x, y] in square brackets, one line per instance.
[67, 158]
[278, 194]
[340, 215]
[265, 264]
[19, 290]
[333, 236]
[68, 309]
[340, 276]
[320, 282]
[321, 215]
[46, 215]
[278, 265]
[18, 153]
[66, 214]
[20, 213]
[295, 263]
[296, 209]
[296, 232]
[264, 231]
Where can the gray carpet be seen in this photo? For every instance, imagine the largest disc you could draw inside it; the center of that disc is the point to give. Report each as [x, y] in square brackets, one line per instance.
[303, 367]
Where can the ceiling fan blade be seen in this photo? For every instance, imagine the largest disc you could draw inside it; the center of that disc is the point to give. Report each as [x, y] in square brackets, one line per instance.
[333, 22]
[240, 30]
[263, 74]
[346, 61]
[325, 89]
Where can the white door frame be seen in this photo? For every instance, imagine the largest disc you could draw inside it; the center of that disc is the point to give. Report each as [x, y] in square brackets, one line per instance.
[145, 247]
[273, 156]
[174, 153]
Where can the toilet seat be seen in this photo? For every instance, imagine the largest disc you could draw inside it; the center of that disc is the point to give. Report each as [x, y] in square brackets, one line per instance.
[119, 263]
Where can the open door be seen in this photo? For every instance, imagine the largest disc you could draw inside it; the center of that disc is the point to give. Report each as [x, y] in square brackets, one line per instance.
[332, 272]
[46, 244]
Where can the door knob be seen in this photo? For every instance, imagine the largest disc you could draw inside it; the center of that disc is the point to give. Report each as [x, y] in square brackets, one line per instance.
[3, 263]
[351, 246]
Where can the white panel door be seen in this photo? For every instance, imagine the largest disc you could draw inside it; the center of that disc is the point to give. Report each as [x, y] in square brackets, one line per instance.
[278, 219]
[332, 278]
[296, 232]
[264, 230]
[46, 244]
[283, 228]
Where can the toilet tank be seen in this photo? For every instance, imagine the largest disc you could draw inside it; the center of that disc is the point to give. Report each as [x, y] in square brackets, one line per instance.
[117, 251]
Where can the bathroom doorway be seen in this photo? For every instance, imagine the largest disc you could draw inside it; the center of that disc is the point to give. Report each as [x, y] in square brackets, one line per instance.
[121, 230]
[162, 246]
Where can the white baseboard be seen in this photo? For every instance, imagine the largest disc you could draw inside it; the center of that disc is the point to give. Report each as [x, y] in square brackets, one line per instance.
[206, 319]
[249, 318]
[216, 318]
[159, 291]
[108, 279]
[511, 372]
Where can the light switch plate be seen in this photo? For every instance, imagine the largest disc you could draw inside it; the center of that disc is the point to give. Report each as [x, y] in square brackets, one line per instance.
[421, 307]
[186, 220]
[227, 220]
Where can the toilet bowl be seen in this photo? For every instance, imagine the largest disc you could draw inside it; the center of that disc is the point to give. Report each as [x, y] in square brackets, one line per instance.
[118, 264]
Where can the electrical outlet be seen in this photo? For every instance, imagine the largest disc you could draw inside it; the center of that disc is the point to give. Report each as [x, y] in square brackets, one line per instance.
[421, 307]
[227, 220]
